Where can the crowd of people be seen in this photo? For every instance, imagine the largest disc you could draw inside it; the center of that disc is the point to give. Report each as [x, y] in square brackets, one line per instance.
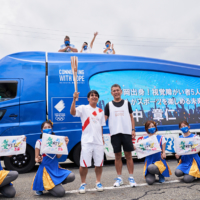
[50, 176]
[69, 48]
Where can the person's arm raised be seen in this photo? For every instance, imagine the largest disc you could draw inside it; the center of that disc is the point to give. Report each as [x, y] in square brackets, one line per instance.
[91, 44]
[73, 106]
[113, 49]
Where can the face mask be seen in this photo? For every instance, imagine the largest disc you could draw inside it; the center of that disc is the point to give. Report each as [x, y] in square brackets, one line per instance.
[47, 131]
[185, 129]
[67, 43]
[152, 130]
[85, 47]
[107, 45]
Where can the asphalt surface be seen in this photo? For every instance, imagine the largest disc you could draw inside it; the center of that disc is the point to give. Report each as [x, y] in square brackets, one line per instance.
[174, 188]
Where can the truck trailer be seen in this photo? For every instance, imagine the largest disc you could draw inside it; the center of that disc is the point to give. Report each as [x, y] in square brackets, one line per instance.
[36, 86]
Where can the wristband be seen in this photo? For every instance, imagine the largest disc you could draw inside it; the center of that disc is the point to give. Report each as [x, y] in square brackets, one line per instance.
[133, 129]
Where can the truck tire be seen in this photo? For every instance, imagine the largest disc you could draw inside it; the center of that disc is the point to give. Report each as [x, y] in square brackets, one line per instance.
[70, 156]
[76, 154]
[22, 163]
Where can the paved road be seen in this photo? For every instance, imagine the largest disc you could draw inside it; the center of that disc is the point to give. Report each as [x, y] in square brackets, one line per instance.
[174, 188]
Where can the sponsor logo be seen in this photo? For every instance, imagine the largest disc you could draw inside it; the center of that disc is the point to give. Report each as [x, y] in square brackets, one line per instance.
[60, 106]
[59, 116]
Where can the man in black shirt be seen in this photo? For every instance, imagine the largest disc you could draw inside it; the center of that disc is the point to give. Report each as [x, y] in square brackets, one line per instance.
[122, 130]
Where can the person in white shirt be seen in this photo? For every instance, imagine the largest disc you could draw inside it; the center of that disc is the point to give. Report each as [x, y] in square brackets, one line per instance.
[109, 48]
[67, 46]
[122, 131]
[92, 141]
[86, 48]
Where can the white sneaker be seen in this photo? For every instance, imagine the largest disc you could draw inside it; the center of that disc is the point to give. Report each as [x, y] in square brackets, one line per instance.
[132, 182]
[82, 188]
[99, 187]
[118, 182]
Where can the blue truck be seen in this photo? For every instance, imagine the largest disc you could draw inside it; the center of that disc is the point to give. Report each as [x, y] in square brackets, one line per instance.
[35, 86]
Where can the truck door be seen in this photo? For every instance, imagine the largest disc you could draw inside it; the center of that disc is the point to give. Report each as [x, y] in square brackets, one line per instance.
[9, 104]
[60, 87]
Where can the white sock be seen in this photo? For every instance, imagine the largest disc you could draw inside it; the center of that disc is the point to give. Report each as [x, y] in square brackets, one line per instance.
[130, 175]
[120, 176]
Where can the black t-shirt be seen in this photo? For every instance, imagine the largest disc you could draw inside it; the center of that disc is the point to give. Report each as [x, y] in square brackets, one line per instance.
[117, 104]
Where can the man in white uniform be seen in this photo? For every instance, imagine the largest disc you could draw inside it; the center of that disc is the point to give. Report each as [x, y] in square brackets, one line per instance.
[92, 141]
[85, 48]
[122, 130]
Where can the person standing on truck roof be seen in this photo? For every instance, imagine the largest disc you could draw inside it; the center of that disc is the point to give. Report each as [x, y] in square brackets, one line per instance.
[109, 48]
[85, 48]
[122, 130]
[92, 141]
[67, 46]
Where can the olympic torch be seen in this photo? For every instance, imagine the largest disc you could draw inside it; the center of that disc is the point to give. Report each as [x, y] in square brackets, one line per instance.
[74, 66]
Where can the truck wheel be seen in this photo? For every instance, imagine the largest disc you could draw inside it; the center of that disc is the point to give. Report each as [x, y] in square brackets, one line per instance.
[70, 156]
[22, 163]
[76, 154]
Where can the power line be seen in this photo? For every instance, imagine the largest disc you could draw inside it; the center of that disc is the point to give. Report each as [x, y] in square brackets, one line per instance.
[99, 34]
[115, 44]
[88, 37]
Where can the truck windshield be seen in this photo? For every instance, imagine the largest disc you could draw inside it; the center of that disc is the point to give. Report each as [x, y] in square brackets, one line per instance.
[8, 90]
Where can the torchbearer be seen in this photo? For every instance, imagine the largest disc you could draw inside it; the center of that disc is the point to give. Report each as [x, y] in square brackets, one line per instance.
[92, 141]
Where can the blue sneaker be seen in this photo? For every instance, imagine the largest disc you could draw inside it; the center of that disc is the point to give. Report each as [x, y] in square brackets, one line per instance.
[161, 178]
[82, 188]
[132, 182]
[99, 187]
[118, 182]
[38, 193]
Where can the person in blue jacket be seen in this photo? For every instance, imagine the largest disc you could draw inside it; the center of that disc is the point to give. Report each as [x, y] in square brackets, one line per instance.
[189, 165]
[50, 175]
[156, 164]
